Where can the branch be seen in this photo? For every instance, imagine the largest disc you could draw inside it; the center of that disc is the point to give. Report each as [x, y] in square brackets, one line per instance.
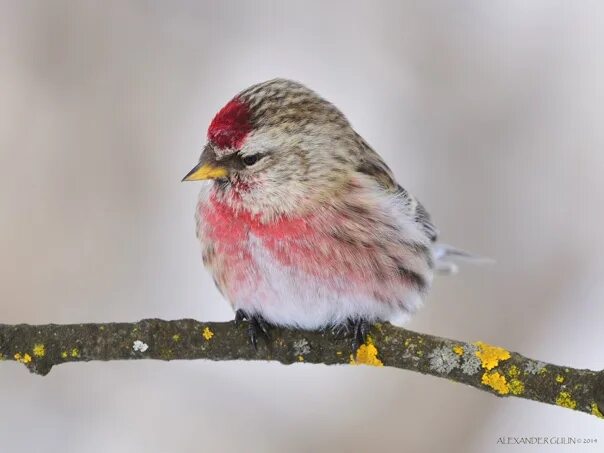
[485, 367]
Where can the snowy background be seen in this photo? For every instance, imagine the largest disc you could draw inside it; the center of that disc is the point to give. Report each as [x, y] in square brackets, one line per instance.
[490, 112]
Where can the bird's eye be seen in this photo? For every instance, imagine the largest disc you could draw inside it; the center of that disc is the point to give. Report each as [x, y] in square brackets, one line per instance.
[251, 159]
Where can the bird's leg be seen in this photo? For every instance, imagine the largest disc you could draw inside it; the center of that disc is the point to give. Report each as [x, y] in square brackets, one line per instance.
[240, 315]
[258, 326]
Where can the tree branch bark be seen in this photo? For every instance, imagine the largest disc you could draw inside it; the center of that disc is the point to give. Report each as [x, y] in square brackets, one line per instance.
[485, 367]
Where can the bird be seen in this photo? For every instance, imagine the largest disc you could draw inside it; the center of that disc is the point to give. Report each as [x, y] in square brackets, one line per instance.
[302, 224]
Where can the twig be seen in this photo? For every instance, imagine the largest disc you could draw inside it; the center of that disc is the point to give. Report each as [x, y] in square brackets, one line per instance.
[485, 367]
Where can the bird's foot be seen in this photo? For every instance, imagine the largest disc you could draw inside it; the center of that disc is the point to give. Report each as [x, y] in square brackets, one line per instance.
[357, 328]
[258, 327]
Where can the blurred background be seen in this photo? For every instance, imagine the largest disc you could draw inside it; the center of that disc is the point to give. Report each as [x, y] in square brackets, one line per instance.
[490, 112]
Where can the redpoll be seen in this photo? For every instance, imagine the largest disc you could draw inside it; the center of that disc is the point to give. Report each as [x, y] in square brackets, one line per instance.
[302, 224]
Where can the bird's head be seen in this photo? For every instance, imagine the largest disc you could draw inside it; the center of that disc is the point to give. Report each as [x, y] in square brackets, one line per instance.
[277, 148]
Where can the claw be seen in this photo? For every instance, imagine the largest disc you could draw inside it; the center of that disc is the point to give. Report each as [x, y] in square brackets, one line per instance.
[258, 327]
[264, 327]
[362, 327]
[362, 330]
[252, 333]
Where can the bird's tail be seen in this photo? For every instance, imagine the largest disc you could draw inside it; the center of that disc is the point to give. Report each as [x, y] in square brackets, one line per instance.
[446, 258]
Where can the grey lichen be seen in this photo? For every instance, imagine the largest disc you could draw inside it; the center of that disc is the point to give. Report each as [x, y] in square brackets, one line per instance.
[409, 356]
[301, 347]
[533, 366]
[443, 360]
[470, 362]
[139, 346]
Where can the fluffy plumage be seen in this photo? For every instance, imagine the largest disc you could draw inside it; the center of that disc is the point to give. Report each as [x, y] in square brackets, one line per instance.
[304, 224]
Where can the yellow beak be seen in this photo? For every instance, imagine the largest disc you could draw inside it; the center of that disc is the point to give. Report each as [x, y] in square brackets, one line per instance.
[205, 171]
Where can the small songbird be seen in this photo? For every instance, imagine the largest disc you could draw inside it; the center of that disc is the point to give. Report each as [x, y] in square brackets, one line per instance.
[302, 224]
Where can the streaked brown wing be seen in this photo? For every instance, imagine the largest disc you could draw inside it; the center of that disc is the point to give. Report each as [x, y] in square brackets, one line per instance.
[374, 166]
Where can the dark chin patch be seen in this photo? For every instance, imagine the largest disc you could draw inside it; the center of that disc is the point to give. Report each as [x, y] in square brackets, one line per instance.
[231, 125]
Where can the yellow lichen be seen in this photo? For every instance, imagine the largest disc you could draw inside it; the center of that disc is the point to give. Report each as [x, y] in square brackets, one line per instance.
[407, 342]
[490, 356]
[514, 371]
[458, 349]
[596, 411]
[516, 386]
[39, 350]
[176, 337]
[165, 354]
[564, 399]
[25, 358]
[64, 354]
[559, 379]
[300, 358]
[207, 334]
[496, 381]
[367, 354]
[338, 352]
[75, 352]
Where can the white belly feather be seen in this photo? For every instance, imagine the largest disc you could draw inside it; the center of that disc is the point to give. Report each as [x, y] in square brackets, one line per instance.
[288, 297]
